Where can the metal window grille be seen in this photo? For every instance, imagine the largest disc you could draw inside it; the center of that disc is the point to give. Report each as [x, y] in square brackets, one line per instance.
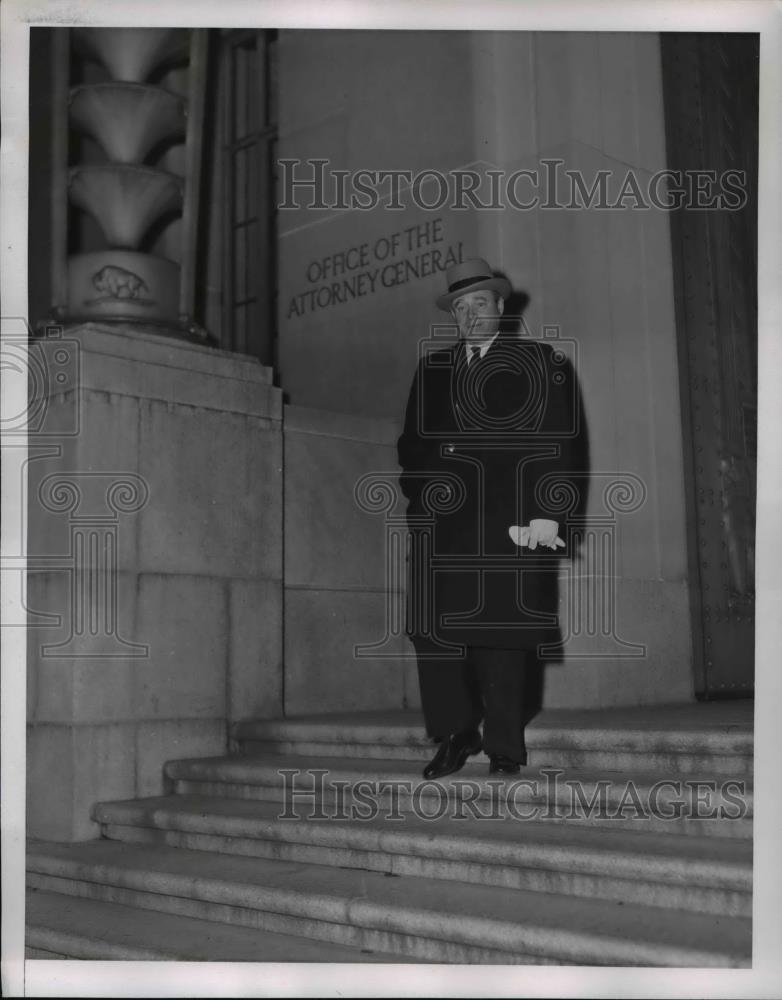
[249, 137]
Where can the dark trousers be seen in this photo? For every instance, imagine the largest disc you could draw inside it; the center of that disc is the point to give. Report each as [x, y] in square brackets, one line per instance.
[487, 684]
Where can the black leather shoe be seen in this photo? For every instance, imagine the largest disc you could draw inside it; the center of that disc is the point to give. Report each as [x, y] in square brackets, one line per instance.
[453, 753]
[499, 764]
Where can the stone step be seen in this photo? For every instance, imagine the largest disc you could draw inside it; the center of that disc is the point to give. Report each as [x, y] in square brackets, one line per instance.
[643, 802]
[702, 874]
[66, 926]
[710, 738]
[428, 919]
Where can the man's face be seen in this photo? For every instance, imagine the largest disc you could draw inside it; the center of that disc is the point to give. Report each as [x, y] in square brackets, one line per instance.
[478, 314]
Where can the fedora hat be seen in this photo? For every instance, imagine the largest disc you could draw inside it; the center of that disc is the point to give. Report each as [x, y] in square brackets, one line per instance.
[470, 276]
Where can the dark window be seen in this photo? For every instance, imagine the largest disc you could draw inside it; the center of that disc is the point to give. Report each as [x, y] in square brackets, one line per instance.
[249, 136]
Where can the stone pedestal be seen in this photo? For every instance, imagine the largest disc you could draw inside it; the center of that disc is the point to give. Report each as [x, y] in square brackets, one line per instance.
[155, 563]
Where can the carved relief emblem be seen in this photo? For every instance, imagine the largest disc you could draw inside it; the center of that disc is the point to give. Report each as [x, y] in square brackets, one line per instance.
[118, 283]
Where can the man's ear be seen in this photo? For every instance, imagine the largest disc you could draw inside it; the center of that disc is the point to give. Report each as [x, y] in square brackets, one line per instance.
[500, 305]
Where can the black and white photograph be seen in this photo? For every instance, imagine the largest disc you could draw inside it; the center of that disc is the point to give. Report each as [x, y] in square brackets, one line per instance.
[390, 555]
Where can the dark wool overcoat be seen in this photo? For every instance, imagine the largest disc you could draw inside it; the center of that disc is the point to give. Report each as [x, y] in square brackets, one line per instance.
[486, 446]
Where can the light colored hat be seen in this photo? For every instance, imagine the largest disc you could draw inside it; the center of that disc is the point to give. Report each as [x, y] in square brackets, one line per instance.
[470, 276]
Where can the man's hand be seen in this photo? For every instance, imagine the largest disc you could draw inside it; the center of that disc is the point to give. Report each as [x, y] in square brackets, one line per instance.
[543, 532]
[540, 532]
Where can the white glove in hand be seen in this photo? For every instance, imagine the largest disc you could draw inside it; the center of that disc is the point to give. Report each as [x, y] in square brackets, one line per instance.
[541, 531]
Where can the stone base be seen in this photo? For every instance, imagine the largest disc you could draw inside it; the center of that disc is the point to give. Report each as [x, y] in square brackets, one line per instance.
[155, 562]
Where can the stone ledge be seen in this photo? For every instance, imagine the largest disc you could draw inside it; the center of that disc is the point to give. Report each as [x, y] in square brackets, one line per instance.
[71, 927]
[681, 739]
[713, 862]
[153, 367]
[328, 423]
[664, 806]
[145, 344]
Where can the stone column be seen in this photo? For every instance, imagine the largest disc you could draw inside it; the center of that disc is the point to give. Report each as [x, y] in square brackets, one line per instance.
[128, 130]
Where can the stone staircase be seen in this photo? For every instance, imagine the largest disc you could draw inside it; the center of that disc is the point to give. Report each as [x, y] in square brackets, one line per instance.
[626, 841]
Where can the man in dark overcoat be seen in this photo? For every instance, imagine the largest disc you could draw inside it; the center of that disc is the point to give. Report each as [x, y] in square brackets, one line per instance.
[488, 436]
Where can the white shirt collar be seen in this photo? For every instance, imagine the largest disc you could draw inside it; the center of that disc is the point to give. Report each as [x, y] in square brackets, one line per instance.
[483, 348]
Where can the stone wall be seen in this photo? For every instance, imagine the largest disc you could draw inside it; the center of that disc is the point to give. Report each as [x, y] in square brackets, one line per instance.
[603, 278]
[371, 100]
[165, 460]
[335, 568]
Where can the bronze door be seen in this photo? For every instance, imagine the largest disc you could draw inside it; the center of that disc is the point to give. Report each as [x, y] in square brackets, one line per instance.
[711, 106]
